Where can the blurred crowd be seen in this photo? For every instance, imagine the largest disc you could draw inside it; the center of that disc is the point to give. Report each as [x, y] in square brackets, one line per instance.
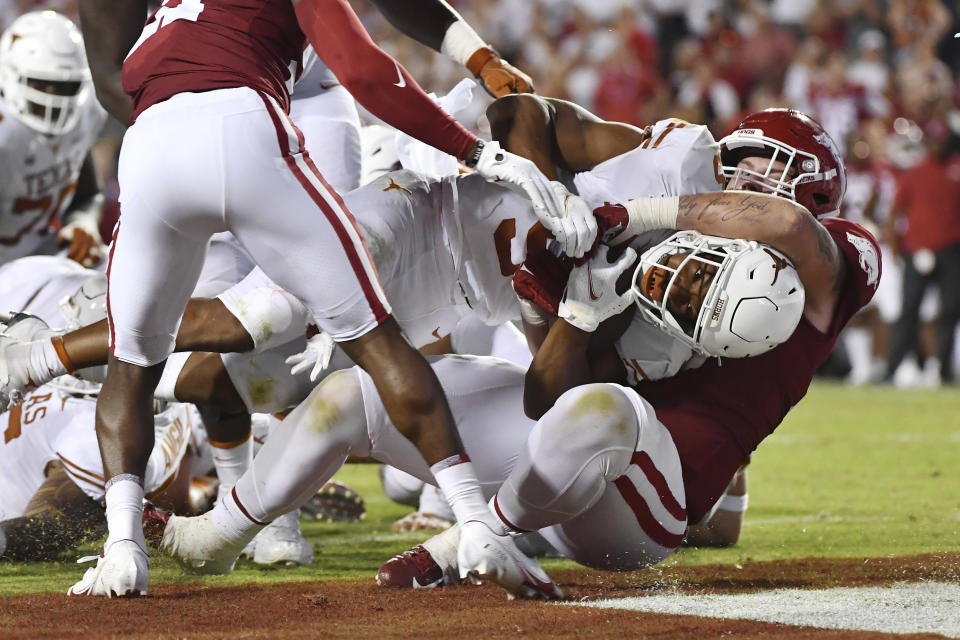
[882, 76]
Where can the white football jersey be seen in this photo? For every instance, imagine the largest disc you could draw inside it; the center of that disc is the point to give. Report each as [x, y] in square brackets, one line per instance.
[675, 158]
[445, 249]
[38, 176]
[54, 425]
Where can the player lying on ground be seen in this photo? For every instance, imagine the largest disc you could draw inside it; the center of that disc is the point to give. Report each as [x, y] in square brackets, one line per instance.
[204, 557]
[343, 416]
[496, 264]
[618, 473]
[52, 473]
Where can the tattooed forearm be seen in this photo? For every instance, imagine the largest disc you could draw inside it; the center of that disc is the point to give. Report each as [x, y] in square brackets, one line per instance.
[715, 208]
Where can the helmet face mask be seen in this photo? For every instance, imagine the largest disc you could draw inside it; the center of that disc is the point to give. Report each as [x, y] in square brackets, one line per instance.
[44, 76]
[733, 309]
[812, 172]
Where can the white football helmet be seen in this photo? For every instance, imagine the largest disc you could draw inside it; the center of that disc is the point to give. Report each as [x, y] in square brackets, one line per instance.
[39, 48]
[752, 302]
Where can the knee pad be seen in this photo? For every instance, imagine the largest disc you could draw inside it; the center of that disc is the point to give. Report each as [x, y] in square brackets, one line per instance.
[591, 418]
[270, 315]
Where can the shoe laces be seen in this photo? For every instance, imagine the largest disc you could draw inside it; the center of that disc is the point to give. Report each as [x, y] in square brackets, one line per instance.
[420, 558]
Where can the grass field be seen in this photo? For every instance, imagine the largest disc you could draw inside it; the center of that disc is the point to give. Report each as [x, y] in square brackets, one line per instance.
[866, 472]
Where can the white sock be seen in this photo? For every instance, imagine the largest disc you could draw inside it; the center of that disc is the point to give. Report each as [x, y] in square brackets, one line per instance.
[124, 498]
[231, 460]
[233, 520]
[457, 479]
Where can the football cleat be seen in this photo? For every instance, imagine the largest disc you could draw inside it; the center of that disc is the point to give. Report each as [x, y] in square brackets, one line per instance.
[418, 521]
[121, 572]
[154, 522]
[198, 545]
[281, 541]
[415, 569]
[334, 502]
[485, 555]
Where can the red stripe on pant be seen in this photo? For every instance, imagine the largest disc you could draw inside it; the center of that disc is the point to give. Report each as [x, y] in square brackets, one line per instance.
[370, 290]
[655, 478]
[113, 246]
[645, 518]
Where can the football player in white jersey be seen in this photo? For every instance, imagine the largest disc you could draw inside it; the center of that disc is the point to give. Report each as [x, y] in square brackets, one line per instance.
[52, 473]
[49, 120]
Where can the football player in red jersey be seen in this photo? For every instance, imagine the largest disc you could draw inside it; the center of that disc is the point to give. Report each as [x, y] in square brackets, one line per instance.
[211, 148]
[614, 475]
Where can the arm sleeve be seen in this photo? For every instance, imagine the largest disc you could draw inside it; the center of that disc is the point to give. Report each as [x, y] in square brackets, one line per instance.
[376, 80]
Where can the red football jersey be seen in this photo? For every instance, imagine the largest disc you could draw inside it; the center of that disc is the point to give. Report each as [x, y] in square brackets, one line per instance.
[720, 412]
[199, 45]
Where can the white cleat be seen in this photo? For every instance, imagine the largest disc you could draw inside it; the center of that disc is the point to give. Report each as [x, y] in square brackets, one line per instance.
[198, 545]
[282, 541]
[122, 571]
[485, 555]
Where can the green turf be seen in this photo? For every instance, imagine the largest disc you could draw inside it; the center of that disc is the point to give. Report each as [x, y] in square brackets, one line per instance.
[851, 472]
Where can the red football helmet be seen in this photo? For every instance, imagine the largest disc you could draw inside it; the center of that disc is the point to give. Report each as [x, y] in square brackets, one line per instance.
[814, 175]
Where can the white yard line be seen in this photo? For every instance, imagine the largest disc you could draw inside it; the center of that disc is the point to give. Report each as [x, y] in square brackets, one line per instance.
[924, 607]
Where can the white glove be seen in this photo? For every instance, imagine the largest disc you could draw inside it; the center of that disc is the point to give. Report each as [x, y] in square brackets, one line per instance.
[317, 354]
[576, 229]
[496, 164]
[591, 296]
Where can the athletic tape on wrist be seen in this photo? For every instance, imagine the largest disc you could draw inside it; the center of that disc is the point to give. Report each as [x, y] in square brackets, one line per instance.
[652, 213]
[737, 504]
[460, 42]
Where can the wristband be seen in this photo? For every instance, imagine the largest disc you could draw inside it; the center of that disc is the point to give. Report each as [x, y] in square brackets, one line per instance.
[647, 214]
[474, 156]
[461, 42]
[737, 504]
